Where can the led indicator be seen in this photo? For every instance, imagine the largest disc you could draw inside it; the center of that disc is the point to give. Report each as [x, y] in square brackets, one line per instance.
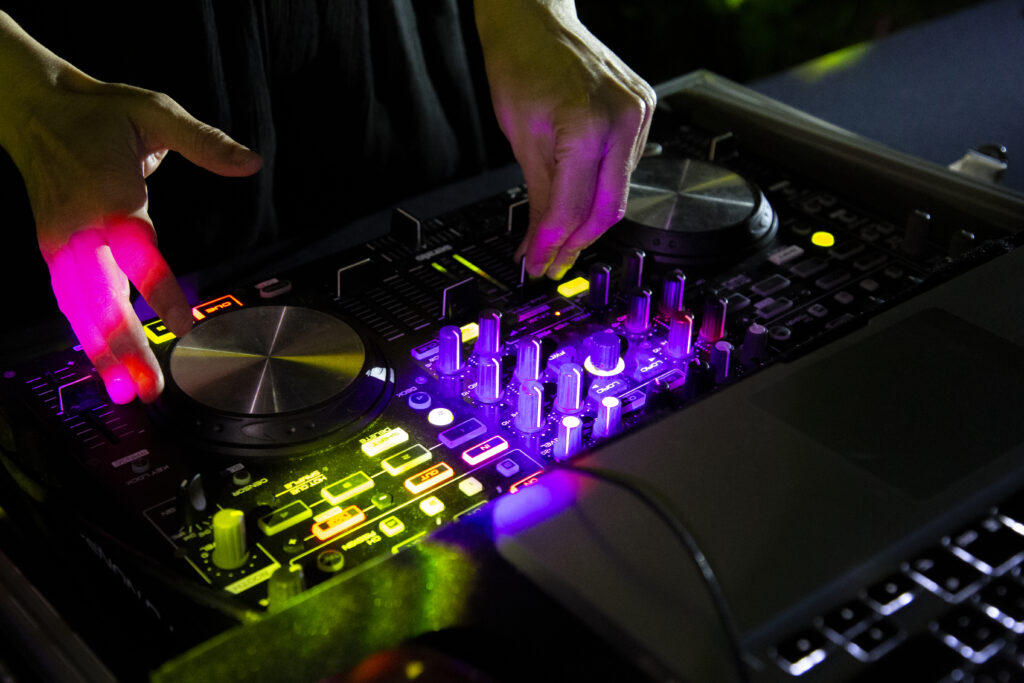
[594, 370]
[573, 287]
[348, 487]
[440, 417]
[823, 239]
[470, 331]
[337, 520]
[485, 450]
[215, 306]
[428, 479]
[157, 332]
[382, 442]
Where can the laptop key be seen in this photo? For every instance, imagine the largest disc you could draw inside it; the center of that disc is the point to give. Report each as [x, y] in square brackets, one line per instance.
[971, 633]
[891, 593]
[944, 574]
[1000, 669]
[801, 652]
[875, 641]
[921, 659]
[990, 546]
[1003, 600]
[846, 620]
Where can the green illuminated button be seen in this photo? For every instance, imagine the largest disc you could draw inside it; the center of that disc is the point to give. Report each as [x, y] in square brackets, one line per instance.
[157, 332]
[284, 517]
[406, 460]
[383, 442]
[432, 505]
[348, 487]
[392, 526]
[382, 501]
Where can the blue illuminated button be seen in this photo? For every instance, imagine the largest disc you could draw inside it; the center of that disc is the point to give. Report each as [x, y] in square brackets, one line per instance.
[425, 351]
[419, 400]
[508, 467]
[454, 437]
[485, 450]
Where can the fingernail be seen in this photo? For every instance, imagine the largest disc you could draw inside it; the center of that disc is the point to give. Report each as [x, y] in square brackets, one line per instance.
[179, 320]
[119, 386]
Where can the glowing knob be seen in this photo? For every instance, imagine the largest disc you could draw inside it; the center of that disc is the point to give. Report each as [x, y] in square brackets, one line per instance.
[570, 437]
[609, 417]
[672, 290]
[680, 337]
[528, 360]
[606, 348]
[638, 316]
[449, 354]
[285, 583]
[530, 417]
[229, 548]
[721, 353]
[488, 380]
[569, 396]
[600, 277]
[712, 327]
[489, 341]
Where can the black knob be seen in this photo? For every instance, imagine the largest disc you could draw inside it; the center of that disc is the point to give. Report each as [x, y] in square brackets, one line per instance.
[632, 269]
[600, 285]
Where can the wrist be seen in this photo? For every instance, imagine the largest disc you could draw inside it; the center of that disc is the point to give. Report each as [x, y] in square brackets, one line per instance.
[499, 20]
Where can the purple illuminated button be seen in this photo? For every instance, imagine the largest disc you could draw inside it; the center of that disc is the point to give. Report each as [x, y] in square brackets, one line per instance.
[485, 450]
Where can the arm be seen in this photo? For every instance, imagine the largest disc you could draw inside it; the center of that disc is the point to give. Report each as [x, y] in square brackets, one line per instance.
[85, 149]
[576, 117]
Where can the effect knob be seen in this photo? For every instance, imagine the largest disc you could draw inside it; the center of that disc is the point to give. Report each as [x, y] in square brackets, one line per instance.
[600, 278]
[530, 416]
[569, 396]
[712, 327]
[528, 359]
[609, 417]
[285, 583]
[632, 269]
[489, 340]
[570, 437]
[488, 380]
[755, 344]
[680, 337]
[605, 355]
[449, 355]
[721, 353]
[229, 547]
[191, 504]
[672, 289]
[638, 315]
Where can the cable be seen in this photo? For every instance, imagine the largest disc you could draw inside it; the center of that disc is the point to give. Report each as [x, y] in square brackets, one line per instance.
[653, 499]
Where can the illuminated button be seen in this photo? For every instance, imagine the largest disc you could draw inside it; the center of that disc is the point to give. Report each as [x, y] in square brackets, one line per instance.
[525, 481]
[508, 467]
[157, 332]
[462, 432]
[385, 441]
[425, 351]
[823, 239]
[284, 517]
[573, 287]
[485, 450]
[419, 400]
[432, 506]
[350, 486]
[406, 460]
[428, 479]
[337, 520]
[216, 306]
[381, 501]
[440, 417]
[391, 526]
[471, 486]
[470, 331]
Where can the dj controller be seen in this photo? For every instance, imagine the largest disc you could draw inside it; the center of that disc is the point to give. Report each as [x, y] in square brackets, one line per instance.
[320, 422]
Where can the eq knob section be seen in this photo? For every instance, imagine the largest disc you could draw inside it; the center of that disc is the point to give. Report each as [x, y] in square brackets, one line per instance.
[229, 545]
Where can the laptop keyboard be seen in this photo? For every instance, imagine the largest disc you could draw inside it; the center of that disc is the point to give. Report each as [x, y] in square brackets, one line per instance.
[952, 612]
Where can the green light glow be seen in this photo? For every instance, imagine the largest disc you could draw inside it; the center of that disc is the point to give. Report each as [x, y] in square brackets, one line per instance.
[477, 270]
[826, 65]
[439, 268]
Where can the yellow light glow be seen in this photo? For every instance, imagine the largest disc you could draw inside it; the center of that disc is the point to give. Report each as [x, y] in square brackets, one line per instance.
[826, 65]
[470, 331]
[823, 239]
[573, 287]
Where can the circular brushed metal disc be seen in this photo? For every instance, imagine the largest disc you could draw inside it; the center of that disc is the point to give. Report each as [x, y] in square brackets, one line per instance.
[267, 360]
[687, 195]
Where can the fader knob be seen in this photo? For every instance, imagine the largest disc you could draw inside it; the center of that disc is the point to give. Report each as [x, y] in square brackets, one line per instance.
[489, 340]
[609, 417]
[638, 315]
[449, 354]
[528, 359]
[915, 235]
[672, 289]
[600, 278]
[530, 416]
[568, 398]
[229, 547]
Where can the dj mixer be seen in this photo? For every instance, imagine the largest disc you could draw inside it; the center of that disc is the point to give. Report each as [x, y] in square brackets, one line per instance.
[319, 423]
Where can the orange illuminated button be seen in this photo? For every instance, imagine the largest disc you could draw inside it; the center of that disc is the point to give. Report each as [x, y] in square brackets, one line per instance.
[428, 479]
[337, 520]
[216, 306]
[526, 481]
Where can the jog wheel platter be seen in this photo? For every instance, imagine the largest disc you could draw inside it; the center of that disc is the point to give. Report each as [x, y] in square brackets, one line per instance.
[264, 380]
[694, 213]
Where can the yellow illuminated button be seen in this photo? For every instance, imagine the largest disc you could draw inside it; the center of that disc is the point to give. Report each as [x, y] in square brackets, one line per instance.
[406, 460]
[823, 239]
[383, 442]
[284, 517]
[336, 521]
[471, 486]
[392, 526]
[432, 506]
[428, 479]
[470, 331]
[157, 332]
[348, 487]
[573, 287]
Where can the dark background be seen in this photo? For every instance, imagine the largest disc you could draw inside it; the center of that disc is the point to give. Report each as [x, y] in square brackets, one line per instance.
[745, 39]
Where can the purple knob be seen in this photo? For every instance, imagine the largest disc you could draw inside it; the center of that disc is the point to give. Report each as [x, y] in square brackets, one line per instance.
[530, 416]
[449, 355]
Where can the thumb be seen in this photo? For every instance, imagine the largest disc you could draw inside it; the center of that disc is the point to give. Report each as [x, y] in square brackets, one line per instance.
[166, 125]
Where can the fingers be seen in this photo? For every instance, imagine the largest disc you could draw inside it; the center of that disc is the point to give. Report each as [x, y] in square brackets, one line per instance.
[166, 125]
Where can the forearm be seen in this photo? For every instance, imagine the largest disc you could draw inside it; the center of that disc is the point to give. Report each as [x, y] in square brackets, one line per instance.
[497, 19]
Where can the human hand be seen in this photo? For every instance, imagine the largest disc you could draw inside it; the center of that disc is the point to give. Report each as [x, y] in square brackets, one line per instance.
[577, 119]
[85, 149]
